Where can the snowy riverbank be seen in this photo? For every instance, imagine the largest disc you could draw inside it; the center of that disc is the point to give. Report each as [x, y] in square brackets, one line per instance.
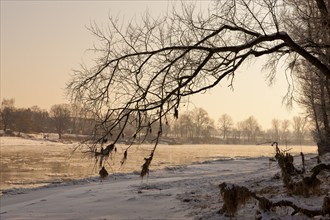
[186, 192]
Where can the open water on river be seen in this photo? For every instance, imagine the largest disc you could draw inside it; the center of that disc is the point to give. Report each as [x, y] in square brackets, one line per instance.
[28, 163]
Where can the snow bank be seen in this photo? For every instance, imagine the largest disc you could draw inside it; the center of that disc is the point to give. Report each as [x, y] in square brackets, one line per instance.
[181, 192]
[185, 192]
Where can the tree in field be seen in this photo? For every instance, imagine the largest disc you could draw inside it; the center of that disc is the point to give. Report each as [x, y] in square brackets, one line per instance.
[40, 119]
[7, 113]
[82, 119]
[225, 123]
[184, 126]
[23, 120]
[251, 129]
[285, 131]
[60, 115]
[299, 125]
[146, 71]
[276, 130]
[238, 131]
[193, 124]
[202, 122]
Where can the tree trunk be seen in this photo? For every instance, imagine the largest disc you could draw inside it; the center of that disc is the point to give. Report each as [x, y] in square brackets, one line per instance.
[312, 103]
[324, 145]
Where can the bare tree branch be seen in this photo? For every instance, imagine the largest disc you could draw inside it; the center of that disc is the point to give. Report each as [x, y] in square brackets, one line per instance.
[145, 70]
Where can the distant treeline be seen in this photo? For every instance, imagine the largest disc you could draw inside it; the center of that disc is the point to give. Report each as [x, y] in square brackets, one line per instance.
[60, 119]
[191, 127]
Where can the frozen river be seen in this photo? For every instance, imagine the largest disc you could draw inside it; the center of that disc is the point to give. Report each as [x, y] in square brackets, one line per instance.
[31, 163]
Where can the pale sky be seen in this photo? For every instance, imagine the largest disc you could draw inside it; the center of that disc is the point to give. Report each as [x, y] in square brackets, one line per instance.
[43, 41]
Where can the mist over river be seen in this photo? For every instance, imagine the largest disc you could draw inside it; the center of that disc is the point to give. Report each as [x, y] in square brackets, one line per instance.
[26, 163]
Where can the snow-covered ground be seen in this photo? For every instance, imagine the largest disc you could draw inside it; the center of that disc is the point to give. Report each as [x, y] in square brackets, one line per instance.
[184, 192]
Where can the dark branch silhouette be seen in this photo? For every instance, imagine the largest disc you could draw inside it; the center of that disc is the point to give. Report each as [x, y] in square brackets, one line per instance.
[147, 69]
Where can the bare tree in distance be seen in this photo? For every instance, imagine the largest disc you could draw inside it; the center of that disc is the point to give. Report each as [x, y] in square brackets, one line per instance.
[225, 122]
[276, 129]
[202, 121]
[251, 129]
[285, 132]
[60, 114]
[7, 113]
[146, 71]
[299, 125]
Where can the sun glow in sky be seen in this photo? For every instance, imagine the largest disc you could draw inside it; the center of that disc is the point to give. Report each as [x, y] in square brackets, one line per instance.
[43, 41]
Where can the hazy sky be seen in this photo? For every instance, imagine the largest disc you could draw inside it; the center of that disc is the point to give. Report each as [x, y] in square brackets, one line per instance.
[43, 41]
